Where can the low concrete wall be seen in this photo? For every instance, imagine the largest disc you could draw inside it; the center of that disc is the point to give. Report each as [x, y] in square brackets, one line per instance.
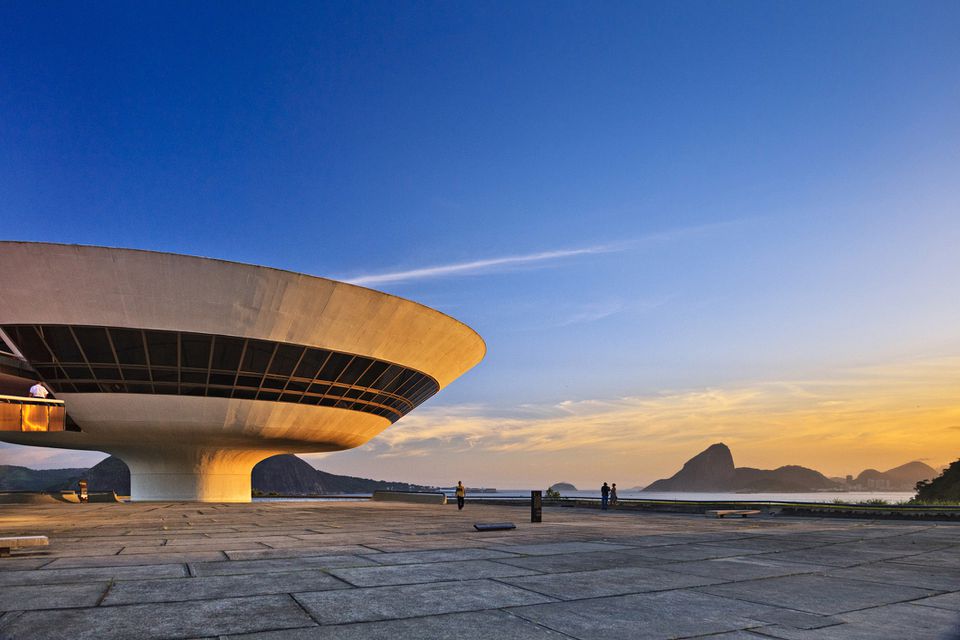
[26, 497]
[410, 496]
[798, 509]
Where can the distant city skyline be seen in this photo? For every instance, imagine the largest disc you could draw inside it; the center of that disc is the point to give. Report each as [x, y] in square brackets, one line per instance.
[673, 225]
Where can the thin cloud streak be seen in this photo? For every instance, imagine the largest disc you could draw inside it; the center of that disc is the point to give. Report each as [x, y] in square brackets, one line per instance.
[476, 266]
[496, 264]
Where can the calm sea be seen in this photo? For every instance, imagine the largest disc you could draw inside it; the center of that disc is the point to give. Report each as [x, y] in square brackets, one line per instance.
[817, 496]
[891, 497]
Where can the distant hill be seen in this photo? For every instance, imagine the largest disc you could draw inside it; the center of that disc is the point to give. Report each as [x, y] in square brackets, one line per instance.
[787, 479]
[13, 478]
[283, 474]
[563, 486]
[288, 474]
[713, 470]
[709, 470]
[902, 478]
[110, 474]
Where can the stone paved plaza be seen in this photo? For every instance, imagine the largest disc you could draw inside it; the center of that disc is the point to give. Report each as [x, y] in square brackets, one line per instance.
[350, 570]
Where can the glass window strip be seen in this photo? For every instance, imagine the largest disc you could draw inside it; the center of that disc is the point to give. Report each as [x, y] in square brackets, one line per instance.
[395, 391]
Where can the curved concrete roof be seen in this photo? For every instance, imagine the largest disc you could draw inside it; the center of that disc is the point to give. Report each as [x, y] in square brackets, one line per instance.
[84, 285]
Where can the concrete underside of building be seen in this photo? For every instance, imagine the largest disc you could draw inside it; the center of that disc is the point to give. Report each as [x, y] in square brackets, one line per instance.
[346, 571]
[192, 370]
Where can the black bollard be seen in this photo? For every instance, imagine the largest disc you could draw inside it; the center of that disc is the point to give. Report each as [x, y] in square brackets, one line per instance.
[536, 506]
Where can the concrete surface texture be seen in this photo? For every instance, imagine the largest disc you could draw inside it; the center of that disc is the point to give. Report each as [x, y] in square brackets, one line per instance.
[199, 447]
[299, 570]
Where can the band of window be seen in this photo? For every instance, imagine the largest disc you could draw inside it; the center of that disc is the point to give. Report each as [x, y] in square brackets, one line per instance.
[86, 359]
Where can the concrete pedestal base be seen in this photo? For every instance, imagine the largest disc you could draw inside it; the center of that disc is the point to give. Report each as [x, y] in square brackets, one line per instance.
[193, 475]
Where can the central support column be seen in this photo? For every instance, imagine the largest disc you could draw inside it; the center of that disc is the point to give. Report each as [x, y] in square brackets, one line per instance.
[191, 474]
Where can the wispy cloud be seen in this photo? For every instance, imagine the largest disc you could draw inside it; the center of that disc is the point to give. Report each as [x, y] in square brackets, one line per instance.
[478, 266]
[492, 265]
[593, 311]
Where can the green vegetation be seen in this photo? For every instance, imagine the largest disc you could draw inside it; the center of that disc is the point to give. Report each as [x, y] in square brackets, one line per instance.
[551, 495]
[942, 490]
[875, 502]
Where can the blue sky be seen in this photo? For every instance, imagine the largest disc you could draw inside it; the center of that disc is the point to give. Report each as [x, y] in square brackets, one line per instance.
[658, 200]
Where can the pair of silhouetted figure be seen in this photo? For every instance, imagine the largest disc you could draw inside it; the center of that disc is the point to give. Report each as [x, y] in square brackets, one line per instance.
[608, 495]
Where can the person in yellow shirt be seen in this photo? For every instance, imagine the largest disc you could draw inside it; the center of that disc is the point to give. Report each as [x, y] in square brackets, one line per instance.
[461, 494]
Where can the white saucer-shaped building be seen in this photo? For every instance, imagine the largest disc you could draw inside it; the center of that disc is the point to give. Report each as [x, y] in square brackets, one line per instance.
[192, 370]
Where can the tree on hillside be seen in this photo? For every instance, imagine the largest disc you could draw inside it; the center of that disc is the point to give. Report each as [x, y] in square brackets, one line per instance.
[943, 488]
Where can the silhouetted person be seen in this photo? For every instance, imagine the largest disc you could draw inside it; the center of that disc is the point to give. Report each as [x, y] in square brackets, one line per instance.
[38, 391]
[604, 496]
[461, 495]
[613, 495]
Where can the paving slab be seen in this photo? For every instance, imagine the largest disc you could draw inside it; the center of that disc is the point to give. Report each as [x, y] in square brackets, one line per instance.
[765, 543]
[912, 543]
[791, 618]
[254, 567]
[606, 582]
[817, 594]
[432, 572]
[300, 552]
[743, 568]
[931, 577]
[836, 555]
[139, 591]
[51, 596]
[945, 601]
[422, 545]
[407, 601]
[579, 561]
[86, 550]
[480, 625]
[136, 559]
[692, 551]
[668, 614]
[942, 558]
[159, 621]
[553, 548]
[673, 538]
[738, 635]
[92, 574]
[227, 541]
[34, 561]
[891, 622]
[206, 545]
[439, 555]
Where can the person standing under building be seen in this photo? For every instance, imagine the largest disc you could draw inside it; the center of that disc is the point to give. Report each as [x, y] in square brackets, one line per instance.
[461, 495]
[604, 496]
[38, 391]
[613, 495]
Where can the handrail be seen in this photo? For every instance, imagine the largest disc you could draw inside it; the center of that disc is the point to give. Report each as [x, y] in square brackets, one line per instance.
[29, 400]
